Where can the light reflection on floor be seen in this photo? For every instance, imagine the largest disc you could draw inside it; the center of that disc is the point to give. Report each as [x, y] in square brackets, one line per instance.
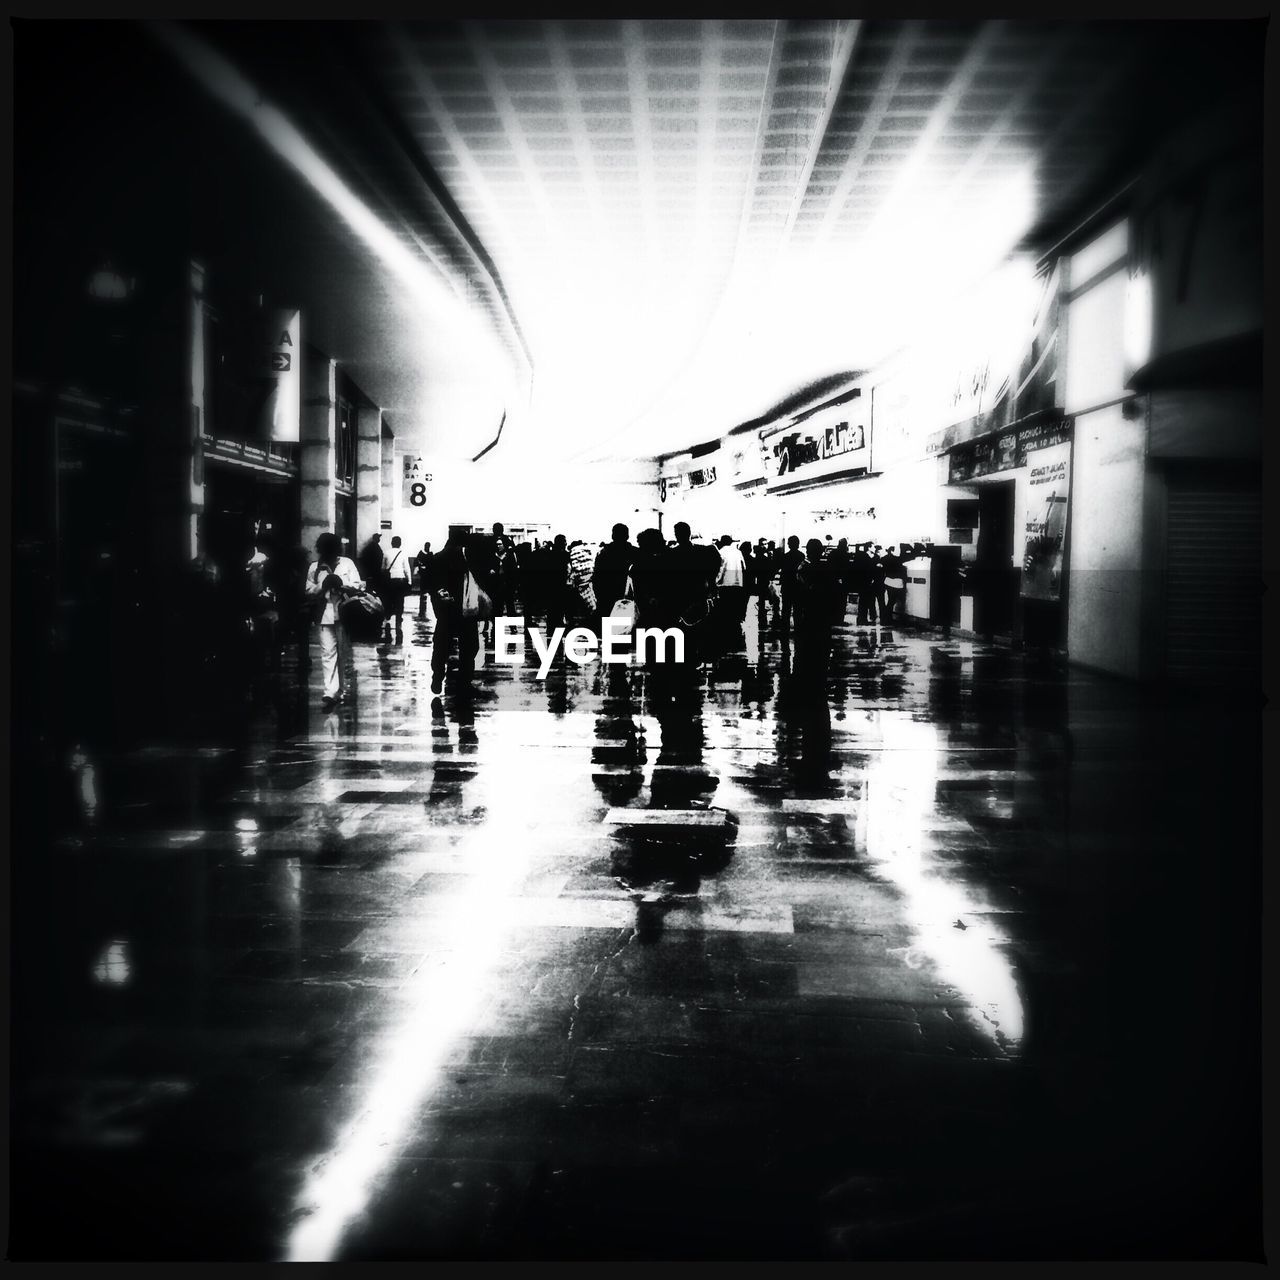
[535, 972]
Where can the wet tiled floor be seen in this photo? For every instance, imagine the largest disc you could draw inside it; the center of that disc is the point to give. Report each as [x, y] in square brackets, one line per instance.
[954, 960]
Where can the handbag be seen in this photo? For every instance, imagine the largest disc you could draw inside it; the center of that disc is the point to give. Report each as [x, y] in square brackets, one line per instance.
[362, 614]
[699, 611]
[624, 608]
[476, 604]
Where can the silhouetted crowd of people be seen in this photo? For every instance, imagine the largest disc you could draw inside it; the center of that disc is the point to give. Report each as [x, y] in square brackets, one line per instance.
[699, 588]
[703, 589]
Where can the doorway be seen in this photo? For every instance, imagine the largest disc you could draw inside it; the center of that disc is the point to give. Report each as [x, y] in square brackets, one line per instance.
[996, 578]
[344, 513]
[237, 504]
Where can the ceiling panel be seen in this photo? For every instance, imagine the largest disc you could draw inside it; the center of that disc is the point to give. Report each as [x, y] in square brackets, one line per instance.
[741, 201]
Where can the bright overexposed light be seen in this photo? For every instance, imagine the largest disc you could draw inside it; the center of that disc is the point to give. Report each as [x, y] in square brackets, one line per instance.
[836, 306]
[1139, 322]
[86, 774]
[443, 996]
[900, 802]
[466, 333]
[113, 968]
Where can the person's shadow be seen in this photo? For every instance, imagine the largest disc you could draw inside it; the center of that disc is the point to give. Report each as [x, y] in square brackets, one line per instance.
[805, 730]
[619, 756]
[662, 865]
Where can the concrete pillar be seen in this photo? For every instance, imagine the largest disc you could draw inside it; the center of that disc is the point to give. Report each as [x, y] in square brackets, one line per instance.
[173, 350]
[388, 475]
[193, 460]
[368, 474]
[318, 432]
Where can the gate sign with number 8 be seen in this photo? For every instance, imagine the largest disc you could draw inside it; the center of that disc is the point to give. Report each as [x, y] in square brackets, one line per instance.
[416, 479]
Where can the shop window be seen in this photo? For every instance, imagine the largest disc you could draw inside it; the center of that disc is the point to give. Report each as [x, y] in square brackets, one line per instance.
[345, 443]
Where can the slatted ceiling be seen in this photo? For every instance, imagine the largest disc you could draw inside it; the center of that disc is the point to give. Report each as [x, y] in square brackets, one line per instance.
[607, 165]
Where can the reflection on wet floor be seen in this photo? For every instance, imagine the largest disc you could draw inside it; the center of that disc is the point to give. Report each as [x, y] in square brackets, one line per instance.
[620, 966]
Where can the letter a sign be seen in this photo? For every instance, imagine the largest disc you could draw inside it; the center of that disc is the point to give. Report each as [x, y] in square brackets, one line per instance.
[282, 408]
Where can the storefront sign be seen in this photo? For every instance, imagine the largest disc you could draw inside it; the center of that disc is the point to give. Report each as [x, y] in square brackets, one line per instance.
[832, 444]
[281, 409]
[1004, 451]
[1042, 435]
[1049, 486]
[685, 471]
[795, 449]
[983, 457]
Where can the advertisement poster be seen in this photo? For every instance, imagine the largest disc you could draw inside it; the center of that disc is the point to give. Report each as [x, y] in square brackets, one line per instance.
[1049, 485]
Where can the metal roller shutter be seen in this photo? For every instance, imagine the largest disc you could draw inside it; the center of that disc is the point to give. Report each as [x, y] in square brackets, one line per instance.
[1213, 601]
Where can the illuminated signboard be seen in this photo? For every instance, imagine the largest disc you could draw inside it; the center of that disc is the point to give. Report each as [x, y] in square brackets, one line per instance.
[830, 443]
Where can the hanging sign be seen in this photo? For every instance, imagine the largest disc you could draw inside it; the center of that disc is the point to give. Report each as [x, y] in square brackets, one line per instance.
[281, 410]
[415, 479]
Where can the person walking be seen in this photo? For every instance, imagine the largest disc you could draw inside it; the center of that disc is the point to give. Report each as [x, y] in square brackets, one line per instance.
[612, 570]
[895, 584]
[861, 576]
[463, 554]
[329, 577]
[581, 595]
[527, 577]
[422, 565]
[507, 570]
[819, 603]
[398, 581]
[749, 571]
[791, 562]
[766, 580]
[660, 605]
[262, 579]
[840, 559]
[372, 560]
[556, 591]
[731, 584]
[689, 566]
[877, 580]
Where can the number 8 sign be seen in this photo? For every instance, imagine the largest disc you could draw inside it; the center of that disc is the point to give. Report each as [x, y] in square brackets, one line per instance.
[416, 479]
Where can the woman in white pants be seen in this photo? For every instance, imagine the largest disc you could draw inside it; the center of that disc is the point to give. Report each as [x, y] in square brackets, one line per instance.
[330, 575]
